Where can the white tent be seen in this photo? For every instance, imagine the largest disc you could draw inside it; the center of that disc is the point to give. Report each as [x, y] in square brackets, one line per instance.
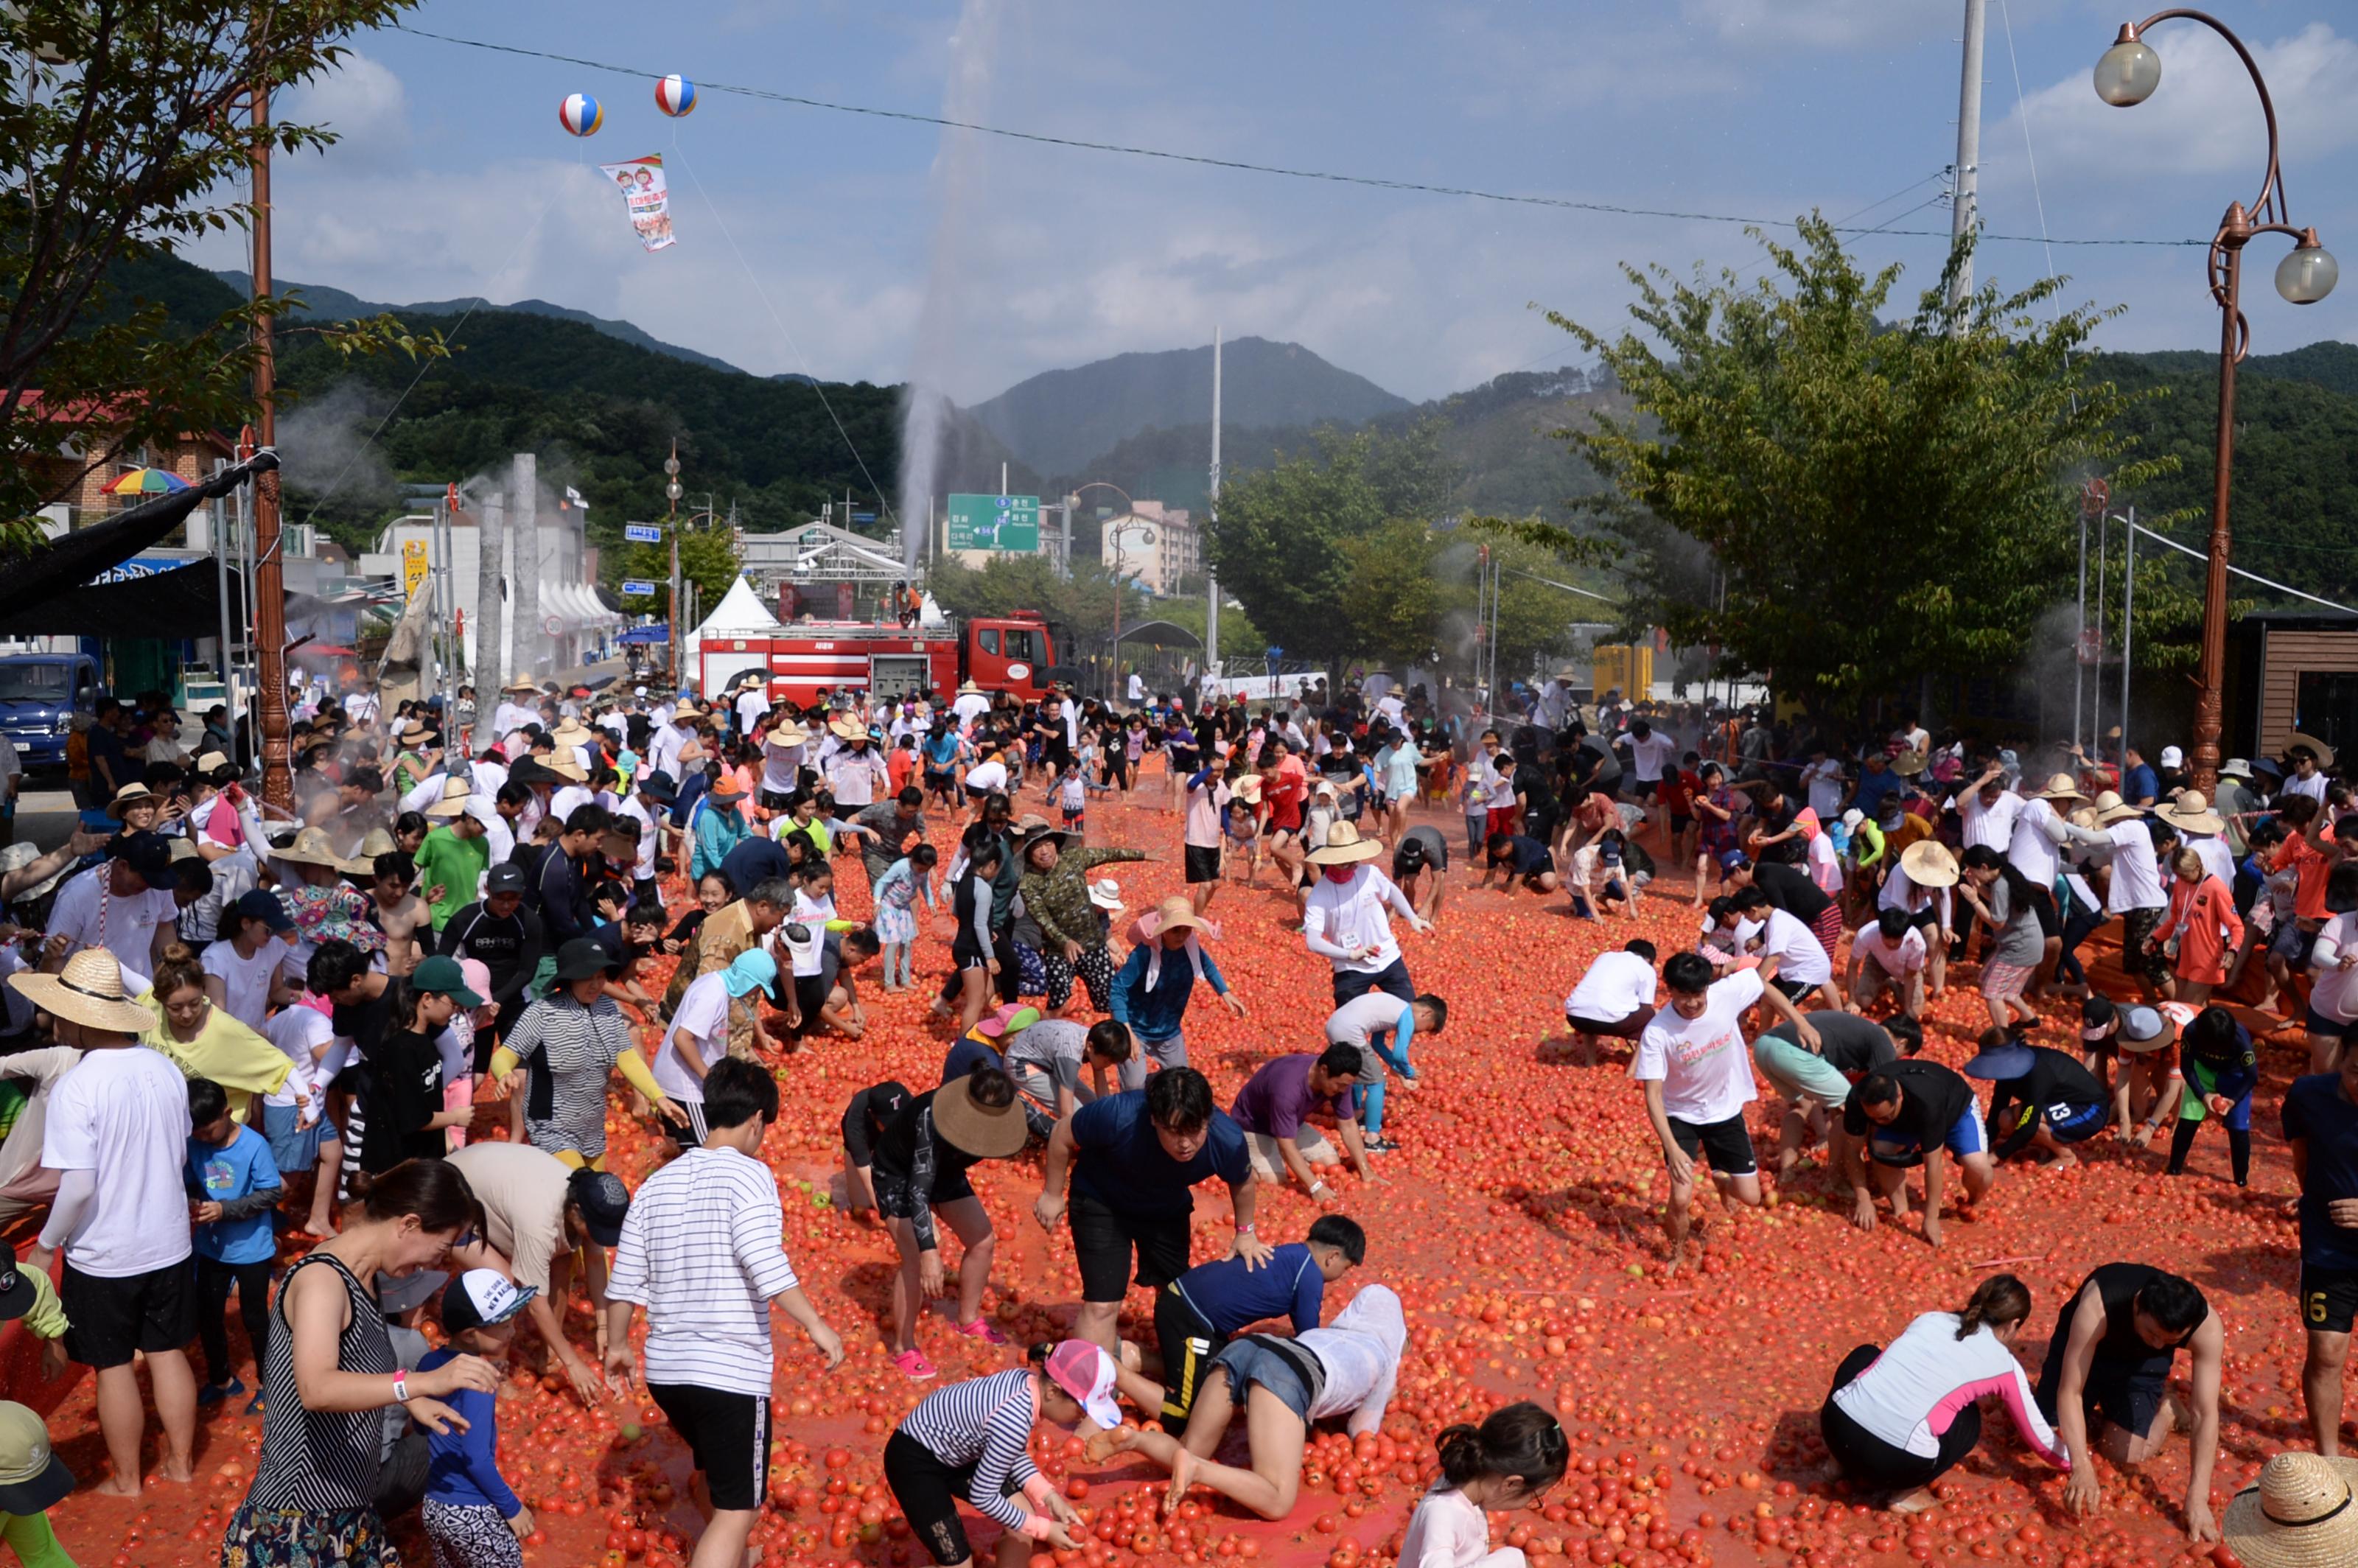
[740, 614]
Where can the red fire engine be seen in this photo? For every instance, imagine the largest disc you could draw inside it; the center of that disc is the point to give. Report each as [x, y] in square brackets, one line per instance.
[807, 660]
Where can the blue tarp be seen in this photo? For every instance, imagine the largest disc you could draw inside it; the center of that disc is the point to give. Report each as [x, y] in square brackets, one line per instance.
[642, 635]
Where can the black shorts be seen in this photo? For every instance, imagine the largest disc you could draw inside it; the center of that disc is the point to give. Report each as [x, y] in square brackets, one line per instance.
[727, 1438]
[929, 1492]
[110, 1318]
[1104, 1237]
[1794, 991]
[896, 1201]
[1680, 824]
[1642, 789]
[810, 995]
[2328, 1299]
[1725, 1146]
[1927, 918]
[2127, 1393]
[1188, 1345]
[773, 800]
[1202, 863]
[2050, 919]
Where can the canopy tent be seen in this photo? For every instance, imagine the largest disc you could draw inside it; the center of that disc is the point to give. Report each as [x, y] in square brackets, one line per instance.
[1160, 635]
[180, 604]
[58, 570]
[644, 636]
[740, 614]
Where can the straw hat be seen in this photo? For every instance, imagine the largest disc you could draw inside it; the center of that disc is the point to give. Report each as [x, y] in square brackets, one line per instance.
[2110, 808]
[456, 793]
[88, 992]
[847, 730]
[378, 842]
[2301, 1513]
[1344, 847]
[1247, 789]
[2192, 811]
[129, 796]
[2325, 752]
[310, 848]
[989, 1132]
[2060, 786]
[522, 683]
[566, 767]
[788, 734]
[968, 688]
[1174, 914]
[684, 710]
[1908, 763]
[1106, 893]
[415, 734]
[212, 763]
[1929, 864]
[571, 733]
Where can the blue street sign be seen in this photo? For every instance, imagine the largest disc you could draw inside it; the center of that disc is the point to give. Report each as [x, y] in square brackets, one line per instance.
[863, 517]
[632, 585]
[642, 533]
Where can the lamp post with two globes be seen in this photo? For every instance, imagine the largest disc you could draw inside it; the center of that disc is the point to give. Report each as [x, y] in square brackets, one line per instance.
[2125, 76]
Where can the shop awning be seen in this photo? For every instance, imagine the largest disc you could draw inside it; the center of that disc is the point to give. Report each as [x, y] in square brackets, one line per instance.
[53, 573]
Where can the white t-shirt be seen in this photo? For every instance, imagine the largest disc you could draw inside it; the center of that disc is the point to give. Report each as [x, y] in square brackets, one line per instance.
[1647, 756]
[298, 1033]
[631, 810]
[1801, 957]
[1900, 891]
[986, 776]
[247, 981]
[1375, 1015]
[2313, 786]
[2335, 993]
[124, 1113]
[1825, 866]
[751, 703]
[1703, 1064]
[2217, 859]
[1991, 824]
[91, 916]
[426, 790]
[2032, 848]
[700, 1025]
[2136, 874]
[1904, 957]
[781, 767]
[970, 706]
[1825, 784]
[1617, 985]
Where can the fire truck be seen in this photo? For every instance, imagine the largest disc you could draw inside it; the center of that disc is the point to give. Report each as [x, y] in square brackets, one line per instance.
[804, 661]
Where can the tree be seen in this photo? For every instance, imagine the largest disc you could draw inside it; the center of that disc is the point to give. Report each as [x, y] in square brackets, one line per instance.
[1082, 603]
[125, 132]
[707, 558]
[1839, 503]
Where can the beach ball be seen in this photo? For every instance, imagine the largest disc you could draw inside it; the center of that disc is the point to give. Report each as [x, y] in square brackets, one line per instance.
[580, 114]
[675, 96]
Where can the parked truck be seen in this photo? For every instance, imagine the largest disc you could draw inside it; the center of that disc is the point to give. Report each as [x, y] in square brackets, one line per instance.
[806, 660]
[39, 696]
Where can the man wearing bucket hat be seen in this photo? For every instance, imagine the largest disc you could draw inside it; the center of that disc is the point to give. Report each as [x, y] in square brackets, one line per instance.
[918, 1167]
[2105, 1383]
[117, 1130]
[1345, 922]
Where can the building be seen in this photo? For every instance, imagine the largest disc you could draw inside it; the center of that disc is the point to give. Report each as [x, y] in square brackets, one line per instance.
[1157, 547]
[92, 454]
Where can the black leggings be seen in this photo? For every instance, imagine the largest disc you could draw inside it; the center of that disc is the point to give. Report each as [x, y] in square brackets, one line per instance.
[2239, 1150]
[214, 1281]
[1870, 1462]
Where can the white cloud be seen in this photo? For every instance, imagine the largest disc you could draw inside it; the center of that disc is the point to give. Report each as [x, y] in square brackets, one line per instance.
[2203, 119]
[1822, 24]
[360, 101]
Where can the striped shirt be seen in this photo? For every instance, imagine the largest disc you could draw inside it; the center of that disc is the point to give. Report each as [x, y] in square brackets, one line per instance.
[700, 1252]
[320, 1461]
[985, 1423]
[569, 1052]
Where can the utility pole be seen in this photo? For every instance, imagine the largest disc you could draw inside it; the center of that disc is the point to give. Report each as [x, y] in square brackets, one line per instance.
[524, 553]
[269, 570]
[671, 532]
[491, 662]
[1212, 526]
[1964, 210]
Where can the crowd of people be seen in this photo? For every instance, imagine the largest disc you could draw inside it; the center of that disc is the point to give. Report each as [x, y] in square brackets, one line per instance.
[252, 1046]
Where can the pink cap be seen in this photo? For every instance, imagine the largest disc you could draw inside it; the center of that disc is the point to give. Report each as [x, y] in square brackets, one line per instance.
[1086, 1372]
[478, 975]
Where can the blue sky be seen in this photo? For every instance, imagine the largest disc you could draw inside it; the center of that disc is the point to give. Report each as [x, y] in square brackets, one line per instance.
[857, 247]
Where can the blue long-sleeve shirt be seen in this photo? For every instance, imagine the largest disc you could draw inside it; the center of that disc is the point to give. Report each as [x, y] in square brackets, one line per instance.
[464, 1467]
[1161, 1013]
[718, 831]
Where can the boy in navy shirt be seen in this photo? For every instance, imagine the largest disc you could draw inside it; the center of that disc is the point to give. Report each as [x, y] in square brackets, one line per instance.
[469, 1511]
[233, 1186]
[1196, 1314]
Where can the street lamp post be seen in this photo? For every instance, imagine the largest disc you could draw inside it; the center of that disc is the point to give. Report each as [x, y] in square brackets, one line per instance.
[2126, 75]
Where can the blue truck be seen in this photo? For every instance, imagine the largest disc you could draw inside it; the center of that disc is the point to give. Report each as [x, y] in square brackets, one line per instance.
[39, 695]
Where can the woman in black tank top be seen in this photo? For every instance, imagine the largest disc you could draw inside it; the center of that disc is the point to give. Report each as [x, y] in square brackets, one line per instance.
[330, 1372]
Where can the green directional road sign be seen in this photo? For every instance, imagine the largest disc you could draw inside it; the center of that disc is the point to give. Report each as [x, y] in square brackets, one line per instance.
[1008, 522]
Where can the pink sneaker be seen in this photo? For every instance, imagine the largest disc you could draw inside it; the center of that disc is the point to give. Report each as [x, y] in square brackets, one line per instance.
[912, 1363]
[981, 1328]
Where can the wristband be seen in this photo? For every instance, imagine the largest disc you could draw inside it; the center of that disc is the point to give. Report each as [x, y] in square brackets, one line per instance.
[401, 1388]
[1244, 1230]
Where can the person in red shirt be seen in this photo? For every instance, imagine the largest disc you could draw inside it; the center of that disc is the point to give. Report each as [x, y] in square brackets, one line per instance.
[1287, 791]
[901, 764]
[1676, 793]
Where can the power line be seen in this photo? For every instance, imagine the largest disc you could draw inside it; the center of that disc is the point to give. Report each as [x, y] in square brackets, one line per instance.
[1558, 202]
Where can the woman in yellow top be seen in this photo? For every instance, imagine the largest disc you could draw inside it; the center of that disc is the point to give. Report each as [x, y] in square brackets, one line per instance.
[204, 1041]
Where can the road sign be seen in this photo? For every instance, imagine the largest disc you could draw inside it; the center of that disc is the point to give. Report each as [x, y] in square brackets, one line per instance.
[413, 565]
[1009, 524]
[632, 585]
[863, 517]
[642, 533]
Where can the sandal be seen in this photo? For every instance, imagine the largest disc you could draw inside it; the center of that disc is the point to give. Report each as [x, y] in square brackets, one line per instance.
[912, 1363]
[982, 1329]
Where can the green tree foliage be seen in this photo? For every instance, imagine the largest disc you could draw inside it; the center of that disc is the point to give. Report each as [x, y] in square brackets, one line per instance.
[124, 131]
[707, 558]
[1084, 603]
[1838, 503]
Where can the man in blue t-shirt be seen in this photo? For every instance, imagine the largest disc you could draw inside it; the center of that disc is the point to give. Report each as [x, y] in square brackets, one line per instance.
[1140, 1153]
[1196, 1314]
[233, 1184]
[2321, 1122]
